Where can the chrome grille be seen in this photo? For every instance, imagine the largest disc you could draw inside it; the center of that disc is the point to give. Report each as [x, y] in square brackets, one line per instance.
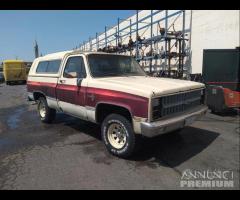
[176, 103]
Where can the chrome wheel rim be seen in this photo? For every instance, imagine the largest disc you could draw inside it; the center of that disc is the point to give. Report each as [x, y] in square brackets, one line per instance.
[117, 135]
[42, 109]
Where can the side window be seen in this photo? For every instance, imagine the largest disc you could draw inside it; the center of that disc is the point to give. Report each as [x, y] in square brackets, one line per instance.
[42, 67]
[75, 68]
[53, 66]
[50, 67]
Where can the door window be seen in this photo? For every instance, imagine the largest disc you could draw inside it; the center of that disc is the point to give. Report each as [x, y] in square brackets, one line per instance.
[75, 68]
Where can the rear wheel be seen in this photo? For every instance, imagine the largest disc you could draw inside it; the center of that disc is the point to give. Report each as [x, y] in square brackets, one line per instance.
[118, 136]
[47, 115]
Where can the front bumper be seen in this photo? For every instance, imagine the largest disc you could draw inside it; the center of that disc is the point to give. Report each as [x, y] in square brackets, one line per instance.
[151, 129]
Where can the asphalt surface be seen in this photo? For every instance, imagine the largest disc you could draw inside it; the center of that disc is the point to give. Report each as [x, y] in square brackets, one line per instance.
[69, 154]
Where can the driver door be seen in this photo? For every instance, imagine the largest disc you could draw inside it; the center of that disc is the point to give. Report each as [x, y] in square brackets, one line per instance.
[70, 95]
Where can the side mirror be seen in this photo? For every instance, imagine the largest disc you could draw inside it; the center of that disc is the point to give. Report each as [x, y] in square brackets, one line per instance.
[79, 81]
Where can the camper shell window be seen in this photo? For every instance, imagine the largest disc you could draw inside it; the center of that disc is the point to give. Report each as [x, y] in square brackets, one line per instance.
[51, 67]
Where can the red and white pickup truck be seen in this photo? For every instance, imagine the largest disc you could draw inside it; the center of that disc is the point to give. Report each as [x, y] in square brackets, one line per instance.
[114, 91]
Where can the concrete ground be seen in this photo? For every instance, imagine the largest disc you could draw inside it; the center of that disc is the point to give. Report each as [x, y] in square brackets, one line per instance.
[69, 154]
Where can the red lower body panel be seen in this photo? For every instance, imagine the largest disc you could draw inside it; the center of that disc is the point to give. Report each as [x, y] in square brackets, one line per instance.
[85, 96]
[49, 89]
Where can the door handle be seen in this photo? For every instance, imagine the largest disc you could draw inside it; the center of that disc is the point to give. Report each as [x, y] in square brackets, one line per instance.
[62, 81]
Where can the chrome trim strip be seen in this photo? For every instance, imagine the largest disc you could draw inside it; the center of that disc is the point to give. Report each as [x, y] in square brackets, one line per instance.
[174, 93]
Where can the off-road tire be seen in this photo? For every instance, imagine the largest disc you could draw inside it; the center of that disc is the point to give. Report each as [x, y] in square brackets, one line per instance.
[132, 141]
[50, 113]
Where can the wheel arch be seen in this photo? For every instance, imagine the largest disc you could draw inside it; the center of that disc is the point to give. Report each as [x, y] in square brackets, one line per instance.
[38, 94]
[105, 108]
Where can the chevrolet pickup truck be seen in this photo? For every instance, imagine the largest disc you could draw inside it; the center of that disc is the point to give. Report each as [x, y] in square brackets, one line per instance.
[115, 92]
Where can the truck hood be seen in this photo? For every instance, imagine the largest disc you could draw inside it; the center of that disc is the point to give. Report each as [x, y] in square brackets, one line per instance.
[145, 85]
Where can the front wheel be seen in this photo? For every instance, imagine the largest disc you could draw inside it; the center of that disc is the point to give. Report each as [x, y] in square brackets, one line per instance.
[47, 115]
[118, 136]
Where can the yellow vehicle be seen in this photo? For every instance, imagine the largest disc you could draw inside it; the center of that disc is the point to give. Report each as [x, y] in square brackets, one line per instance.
[14, 71]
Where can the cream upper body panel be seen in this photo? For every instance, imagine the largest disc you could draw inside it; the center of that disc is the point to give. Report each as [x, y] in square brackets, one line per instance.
[53, 56]
[145, 86]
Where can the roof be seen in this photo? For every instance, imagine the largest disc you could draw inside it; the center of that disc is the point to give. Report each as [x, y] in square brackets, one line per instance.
[57, 55]
[60, 55]
[13, 61]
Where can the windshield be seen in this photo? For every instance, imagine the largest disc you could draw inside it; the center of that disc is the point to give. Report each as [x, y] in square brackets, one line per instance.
[113, 65]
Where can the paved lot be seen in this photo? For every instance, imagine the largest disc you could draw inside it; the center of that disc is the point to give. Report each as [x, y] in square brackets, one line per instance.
[68, 154]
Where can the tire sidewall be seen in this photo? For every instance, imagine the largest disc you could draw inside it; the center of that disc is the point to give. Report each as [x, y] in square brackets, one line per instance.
[42, 100]
[50, 113]
[127, 149]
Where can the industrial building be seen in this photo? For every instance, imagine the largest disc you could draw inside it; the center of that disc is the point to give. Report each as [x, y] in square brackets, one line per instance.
[169, 40]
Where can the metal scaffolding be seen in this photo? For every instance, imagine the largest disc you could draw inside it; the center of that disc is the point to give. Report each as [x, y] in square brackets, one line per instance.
[167, 36]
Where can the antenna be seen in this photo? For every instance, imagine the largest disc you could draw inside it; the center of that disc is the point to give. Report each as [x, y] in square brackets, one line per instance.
[36, 49]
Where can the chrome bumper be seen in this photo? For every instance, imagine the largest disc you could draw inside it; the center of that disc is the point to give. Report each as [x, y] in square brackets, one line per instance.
[167, 125]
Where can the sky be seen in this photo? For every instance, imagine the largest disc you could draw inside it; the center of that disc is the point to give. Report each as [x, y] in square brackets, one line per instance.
[54, 30]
